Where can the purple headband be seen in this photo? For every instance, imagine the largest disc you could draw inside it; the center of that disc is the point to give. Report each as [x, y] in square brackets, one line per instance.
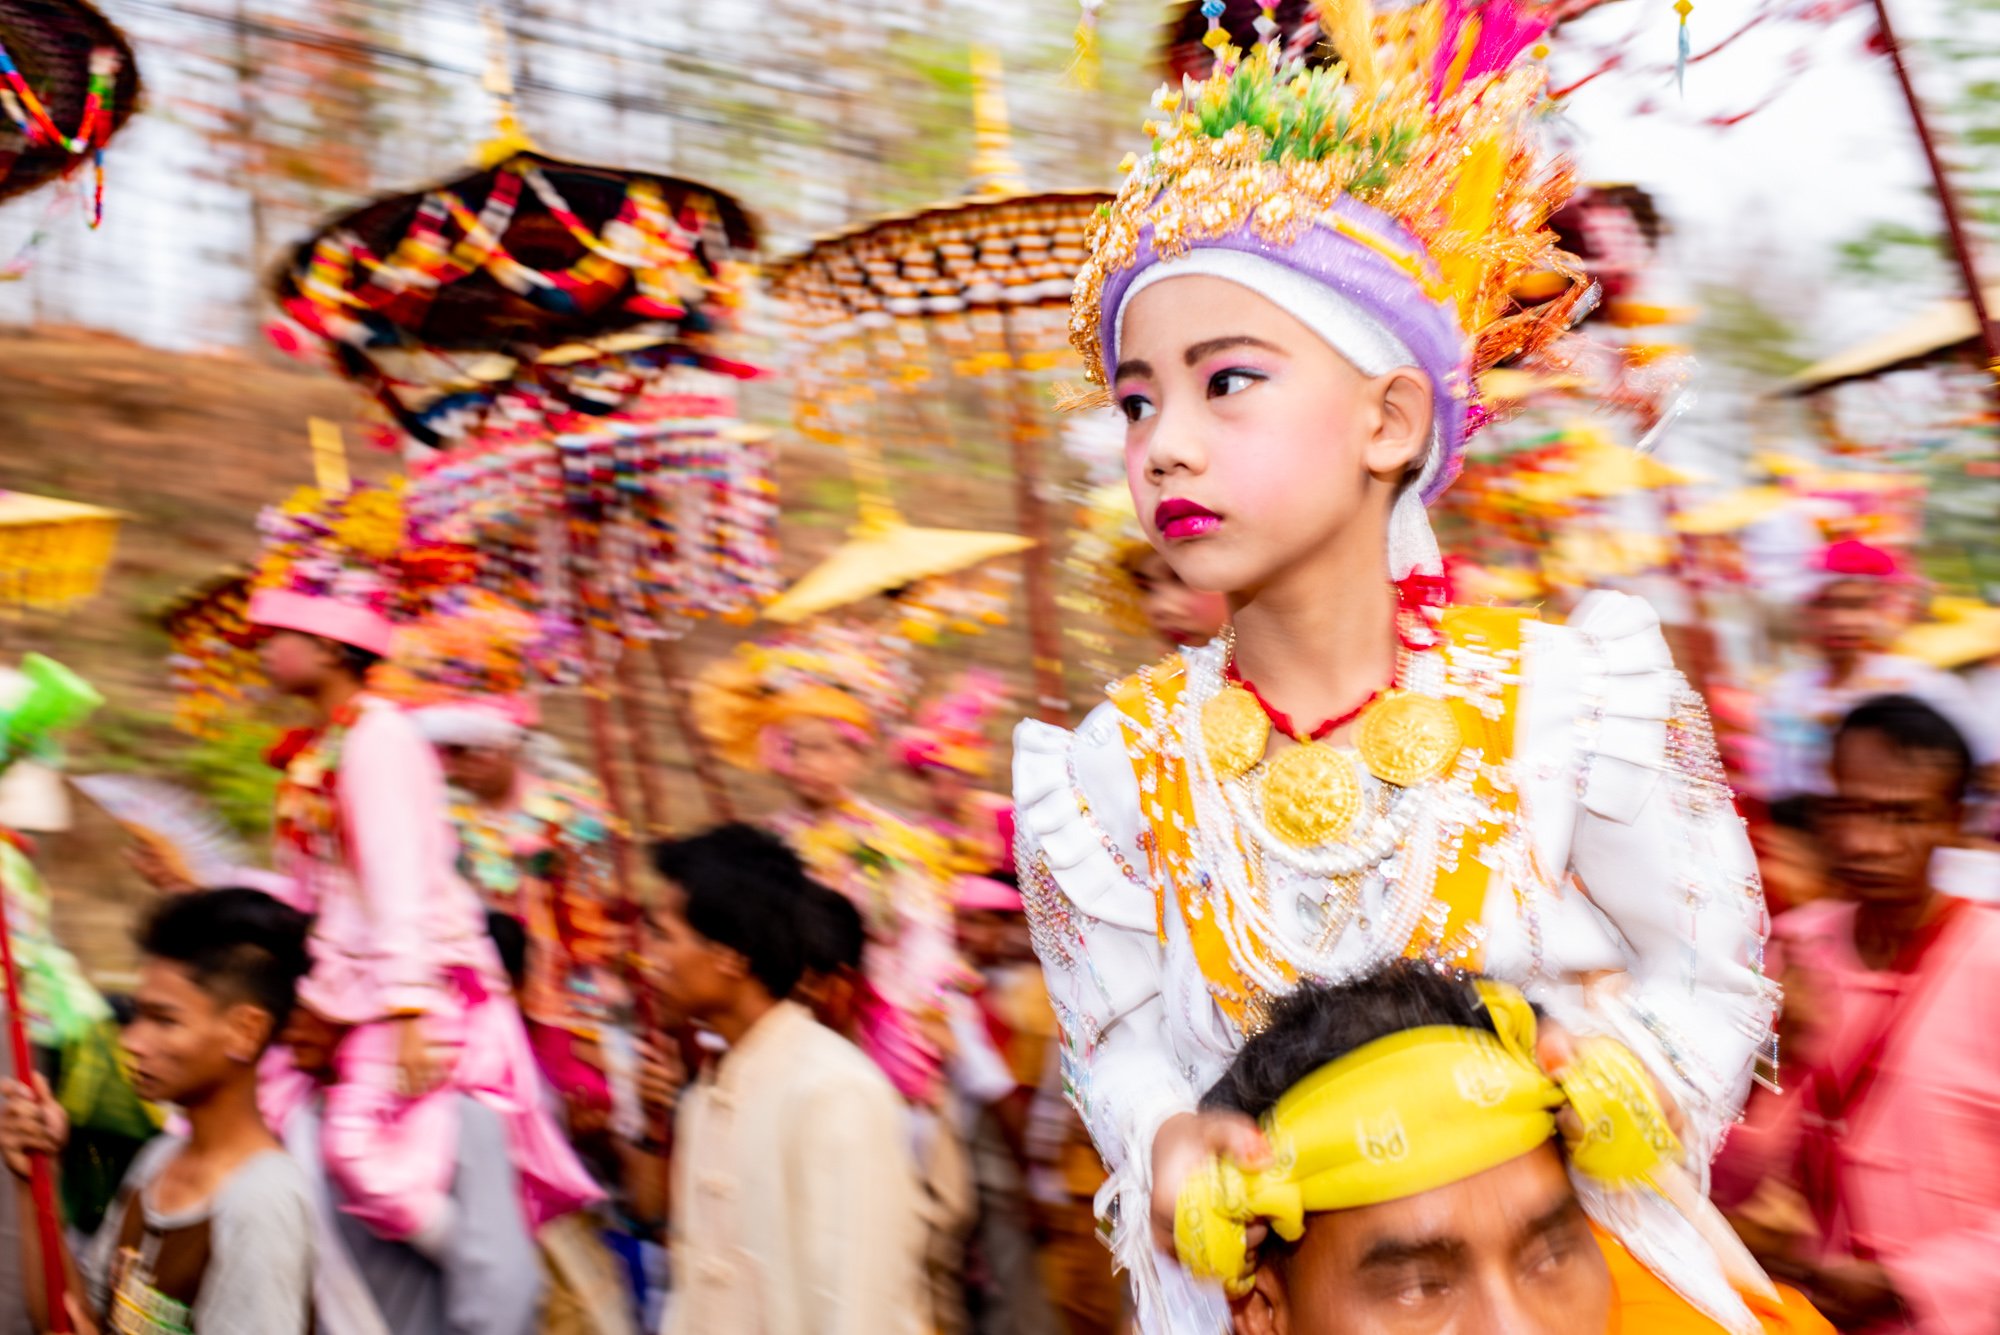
[1349, 252]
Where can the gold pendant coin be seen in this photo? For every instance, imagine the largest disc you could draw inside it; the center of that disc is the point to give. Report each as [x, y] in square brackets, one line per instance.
[1234, 732]
[1311, 794]
[1407, 737]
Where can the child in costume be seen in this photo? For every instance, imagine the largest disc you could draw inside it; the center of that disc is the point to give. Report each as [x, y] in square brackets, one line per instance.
[1289, 301]
[809, 709]
[534, 832]
[401, 959]
[946, 748]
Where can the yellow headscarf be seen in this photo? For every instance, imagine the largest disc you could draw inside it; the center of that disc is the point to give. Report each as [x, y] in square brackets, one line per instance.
[1416, 1111]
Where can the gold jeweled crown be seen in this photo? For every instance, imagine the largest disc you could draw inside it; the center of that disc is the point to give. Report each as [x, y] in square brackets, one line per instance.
[1429, 119]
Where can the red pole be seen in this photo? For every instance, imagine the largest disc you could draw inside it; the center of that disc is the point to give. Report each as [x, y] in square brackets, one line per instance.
[1954, 221]
[55, 1283]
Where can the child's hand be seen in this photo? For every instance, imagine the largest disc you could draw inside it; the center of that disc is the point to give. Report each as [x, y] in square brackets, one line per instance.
[1183, 1144]
[661, 1076]
[418, 1070]
[31, 1122]
[81, 1320]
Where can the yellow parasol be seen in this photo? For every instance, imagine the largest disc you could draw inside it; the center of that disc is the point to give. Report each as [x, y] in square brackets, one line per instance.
[1963, 631]
[53, 554]
[883, 553]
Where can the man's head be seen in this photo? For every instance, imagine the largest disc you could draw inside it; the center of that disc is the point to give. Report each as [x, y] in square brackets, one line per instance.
[1900, 773]
[300, 664]
[479, 740]
[1849, 616]
[1860, 599]
[731, 920]
[488, 773]
[1506, 1248]
[835, 937]
[216, 985]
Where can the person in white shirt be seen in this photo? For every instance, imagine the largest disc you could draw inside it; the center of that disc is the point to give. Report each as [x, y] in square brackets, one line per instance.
[795, 1202]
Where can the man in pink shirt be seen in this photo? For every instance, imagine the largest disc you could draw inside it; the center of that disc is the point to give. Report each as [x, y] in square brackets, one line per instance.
[1873, 1181]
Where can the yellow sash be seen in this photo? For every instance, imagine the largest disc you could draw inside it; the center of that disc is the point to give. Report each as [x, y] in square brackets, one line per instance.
[1167, 805]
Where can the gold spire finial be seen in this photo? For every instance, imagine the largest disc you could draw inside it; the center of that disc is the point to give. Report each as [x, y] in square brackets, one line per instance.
[508, 138]
[994, 170]
[329, 454]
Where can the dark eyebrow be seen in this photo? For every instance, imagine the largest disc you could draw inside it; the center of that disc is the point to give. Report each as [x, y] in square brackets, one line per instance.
[1209, 347]
[1565, 1212]
[1402, 1251]
[1132, 368]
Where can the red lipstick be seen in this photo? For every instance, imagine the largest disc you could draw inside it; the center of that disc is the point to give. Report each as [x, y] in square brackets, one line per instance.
[1180, 519]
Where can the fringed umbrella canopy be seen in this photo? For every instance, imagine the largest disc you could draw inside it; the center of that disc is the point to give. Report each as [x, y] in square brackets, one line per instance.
[49, 46]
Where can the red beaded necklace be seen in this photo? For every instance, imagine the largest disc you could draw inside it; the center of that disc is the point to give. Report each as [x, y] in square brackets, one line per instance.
[1283, 721]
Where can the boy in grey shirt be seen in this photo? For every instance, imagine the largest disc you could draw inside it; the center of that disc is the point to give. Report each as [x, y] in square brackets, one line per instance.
[212, 1231]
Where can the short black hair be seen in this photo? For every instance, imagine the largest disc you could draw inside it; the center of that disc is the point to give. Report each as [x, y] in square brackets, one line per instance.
[239, 946]
[1913, 728]
[1320, 1023]
[834, 936]
[1792, 813]
[510, 941]
[745, 890]
[355, 659]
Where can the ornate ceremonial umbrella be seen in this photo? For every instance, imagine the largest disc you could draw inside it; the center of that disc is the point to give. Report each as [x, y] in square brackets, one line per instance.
[541, 336]
[70, 83]
[973, 289]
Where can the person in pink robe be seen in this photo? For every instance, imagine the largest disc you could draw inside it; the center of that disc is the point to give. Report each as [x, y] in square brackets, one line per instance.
[401, 958]
[1873, 1180]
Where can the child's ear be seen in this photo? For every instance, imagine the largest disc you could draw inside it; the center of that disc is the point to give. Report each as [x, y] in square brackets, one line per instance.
[1403, 433]
[1264, 1309]
[734, 964]
[246, 1031]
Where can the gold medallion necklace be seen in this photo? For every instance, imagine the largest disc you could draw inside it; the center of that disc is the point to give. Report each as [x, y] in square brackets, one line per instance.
[1312, 791]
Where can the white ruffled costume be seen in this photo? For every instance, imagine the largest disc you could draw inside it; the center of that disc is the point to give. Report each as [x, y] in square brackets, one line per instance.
[1624, 900]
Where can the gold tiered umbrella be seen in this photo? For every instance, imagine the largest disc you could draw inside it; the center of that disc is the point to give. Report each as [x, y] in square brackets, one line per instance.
[973, 289]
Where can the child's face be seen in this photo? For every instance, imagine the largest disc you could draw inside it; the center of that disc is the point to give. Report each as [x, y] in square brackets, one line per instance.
[1849, 617]
[183, 1040]
[1252, 446]
[1508, 1249]
[990, 938]
[822, 762]
[296, 663]
[1176, 613]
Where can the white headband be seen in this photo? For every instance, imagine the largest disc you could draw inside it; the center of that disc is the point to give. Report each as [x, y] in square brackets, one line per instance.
[468, 725]
[1349, 330]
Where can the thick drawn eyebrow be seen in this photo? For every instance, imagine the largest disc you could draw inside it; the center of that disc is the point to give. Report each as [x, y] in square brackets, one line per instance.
[1210, 346]
[1563, 1214]
[1137, 368]
[1391, 1252]
[1402, 1251]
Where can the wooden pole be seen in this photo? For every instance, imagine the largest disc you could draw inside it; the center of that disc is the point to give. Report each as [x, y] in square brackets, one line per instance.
[707, 770]
[1954, 220]
[632, 704]
[41, 1183]
[1032, 518]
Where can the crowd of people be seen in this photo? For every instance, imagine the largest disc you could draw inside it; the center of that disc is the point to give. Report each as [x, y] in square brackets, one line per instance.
[1371, 962]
